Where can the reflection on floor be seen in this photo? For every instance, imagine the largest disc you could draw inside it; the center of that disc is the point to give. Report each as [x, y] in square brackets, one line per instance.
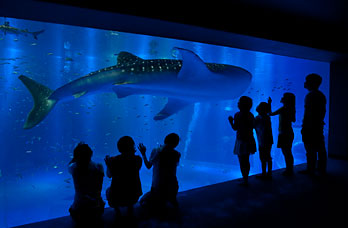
[298, 201]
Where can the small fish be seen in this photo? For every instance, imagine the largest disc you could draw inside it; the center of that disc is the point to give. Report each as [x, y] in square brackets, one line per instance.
[55, 167]
[15, 40]
[49, 53]
[138, 116]
[68, 59]
[78, 53]
[68, 180]
[146, 104]
[0, 173]
[112, 33]
[28, 152]
[60, 173]
[107, 134]
[33, 44]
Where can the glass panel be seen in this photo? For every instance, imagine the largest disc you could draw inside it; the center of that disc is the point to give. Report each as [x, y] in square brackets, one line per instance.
[35, 184]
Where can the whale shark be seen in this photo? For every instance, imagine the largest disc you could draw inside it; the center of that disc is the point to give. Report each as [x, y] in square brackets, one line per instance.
[183, 81]
[7, 29]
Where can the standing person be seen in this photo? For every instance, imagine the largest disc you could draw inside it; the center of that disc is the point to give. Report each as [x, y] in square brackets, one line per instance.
[263, 127]
[313, 125]
[243, 123]
[125, 188]
[287, 115]
[88, 182]
[164, 161]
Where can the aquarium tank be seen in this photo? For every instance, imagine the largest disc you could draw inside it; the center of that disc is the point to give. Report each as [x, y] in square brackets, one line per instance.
[95, 86]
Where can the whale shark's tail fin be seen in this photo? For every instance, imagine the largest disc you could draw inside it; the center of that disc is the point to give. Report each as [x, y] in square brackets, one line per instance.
[42, 105]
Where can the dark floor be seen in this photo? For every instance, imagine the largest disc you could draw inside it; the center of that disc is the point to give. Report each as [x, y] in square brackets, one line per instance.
[298, 201]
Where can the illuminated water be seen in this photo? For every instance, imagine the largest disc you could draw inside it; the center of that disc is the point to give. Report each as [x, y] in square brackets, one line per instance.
[34, 182]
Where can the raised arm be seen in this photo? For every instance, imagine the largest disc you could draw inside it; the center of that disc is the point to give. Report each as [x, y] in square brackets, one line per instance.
[142, 150]
[107, 162]
[276, 112]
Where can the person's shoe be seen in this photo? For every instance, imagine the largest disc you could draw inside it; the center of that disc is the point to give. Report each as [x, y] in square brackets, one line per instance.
[261, 176]
[288, 173]
[269, 176]
[307, 172]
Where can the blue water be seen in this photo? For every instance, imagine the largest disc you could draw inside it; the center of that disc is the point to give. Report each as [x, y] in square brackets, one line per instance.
[34, 182]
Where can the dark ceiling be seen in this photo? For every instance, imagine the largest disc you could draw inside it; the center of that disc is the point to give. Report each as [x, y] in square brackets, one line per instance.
[315, 24]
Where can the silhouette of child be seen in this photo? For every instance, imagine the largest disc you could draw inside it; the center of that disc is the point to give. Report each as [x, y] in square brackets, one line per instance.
[313, 125]
[287, 115]
[88, 182]
[243, 123]
[164, 161]
[264, 134]
[125, 188]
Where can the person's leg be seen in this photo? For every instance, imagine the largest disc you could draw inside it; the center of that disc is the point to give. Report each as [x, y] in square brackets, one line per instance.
[130, 210]
[289, 160]
[269, 161]
[263, 159]
[244, 166]
[322, 156]
[311, 157]
[264, 168]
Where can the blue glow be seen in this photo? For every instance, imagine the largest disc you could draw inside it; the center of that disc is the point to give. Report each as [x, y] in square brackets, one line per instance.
[33, 165]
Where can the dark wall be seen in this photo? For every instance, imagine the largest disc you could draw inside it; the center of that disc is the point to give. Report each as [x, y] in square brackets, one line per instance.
[338, 132]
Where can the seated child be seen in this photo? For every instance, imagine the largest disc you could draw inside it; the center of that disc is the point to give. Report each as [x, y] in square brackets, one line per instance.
[88, 181]
[125, 188]
[164, 160]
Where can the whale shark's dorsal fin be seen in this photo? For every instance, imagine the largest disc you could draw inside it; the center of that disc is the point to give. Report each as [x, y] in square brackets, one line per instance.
[193, 66]
[124, 58]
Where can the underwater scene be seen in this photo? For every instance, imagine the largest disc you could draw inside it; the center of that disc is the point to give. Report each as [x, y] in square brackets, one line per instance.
[61, 84]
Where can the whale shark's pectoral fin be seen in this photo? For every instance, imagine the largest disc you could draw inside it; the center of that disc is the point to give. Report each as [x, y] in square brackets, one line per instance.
[122, 92]
[173, 105]
[193, 67]
[80, 94]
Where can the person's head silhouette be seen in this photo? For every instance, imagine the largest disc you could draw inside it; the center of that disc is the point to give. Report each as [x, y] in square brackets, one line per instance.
[82, 154]
[288, 99]
[126, 145]
[245, 103]
[172, 140]
[263, 108]
[313, 81]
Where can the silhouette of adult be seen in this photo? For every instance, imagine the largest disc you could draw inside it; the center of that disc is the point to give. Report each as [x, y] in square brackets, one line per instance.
[125, 188]
[313, 125]
[164, 161]
[88, 181]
